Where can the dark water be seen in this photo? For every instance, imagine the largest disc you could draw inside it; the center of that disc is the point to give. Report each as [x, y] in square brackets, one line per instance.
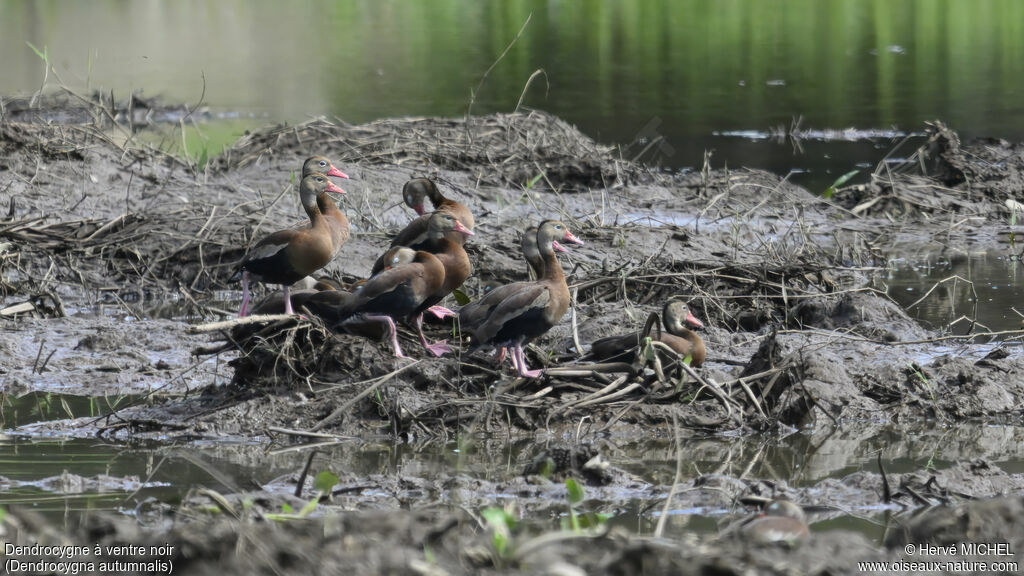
[122, 476]
[960, 293]
[625, 72]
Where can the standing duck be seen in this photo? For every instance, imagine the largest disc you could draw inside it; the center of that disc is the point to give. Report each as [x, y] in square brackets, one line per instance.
[677, 318]
[530, 308]
[456, 269]
[473, 314]
[287, 256]
[395, 293]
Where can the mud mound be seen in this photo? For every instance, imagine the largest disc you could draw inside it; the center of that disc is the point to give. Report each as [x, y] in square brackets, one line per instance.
[943, 176]
[499, 149]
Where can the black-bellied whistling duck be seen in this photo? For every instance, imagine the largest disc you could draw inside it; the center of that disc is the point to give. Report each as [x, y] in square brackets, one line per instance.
[473, 314]
[456, 269]
[415, 235]
[676, 317]
[287, 256]
[532, 308]
[394, 293]
[417, 189]
[781, 521]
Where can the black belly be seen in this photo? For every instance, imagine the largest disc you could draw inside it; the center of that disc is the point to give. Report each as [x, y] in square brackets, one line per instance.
[523, 328]
[274, 269]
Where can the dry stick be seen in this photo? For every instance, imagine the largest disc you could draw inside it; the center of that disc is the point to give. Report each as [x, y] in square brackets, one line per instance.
[936, 285]
[472, 98]
[708, 383]
[529, 80]
[615, 384]
[380, 380]
[305, 472]
[609, 397]
[301, 447]
[226, 324]
[675, 481]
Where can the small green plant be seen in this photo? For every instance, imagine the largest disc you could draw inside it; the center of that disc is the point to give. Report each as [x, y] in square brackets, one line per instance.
[323, 484]
[533, 181]
[577, 522]
[575, 495]
[460, 297]
[502, 523]
[927, 385]
[831, 190]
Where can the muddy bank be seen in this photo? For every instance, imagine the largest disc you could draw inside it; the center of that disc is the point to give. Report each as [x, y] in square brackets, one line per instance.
[220, 537]
[778, 275]
[797, 337]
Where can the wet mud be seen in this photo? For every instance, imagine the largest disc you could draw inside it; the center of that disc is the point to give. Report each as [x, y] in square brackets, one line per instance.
[796, 335]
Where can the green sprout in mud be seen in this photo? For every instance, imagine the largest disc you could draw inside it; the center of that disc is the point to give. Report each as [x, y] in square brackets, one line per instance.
[578, 522]
[501, 522]
[927, 385]
[323, 484]
[831, 190]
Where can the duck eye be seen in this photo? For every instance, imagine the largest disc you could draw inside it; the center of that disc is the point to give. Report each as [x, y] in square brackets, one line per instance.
[322, 163]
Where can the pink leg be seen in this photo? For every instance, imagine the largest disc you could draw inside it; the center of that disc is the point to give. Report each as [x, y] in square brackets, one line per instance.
[287, 300]
[441, 312]
[438, 348]
[245, 295]
[499, 356]
[523, 368]
[392, 333]
[515, 361]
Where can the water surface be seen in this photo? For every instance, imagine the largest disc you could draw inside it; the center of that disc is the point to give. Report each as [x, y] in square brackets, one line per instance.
[625, 72]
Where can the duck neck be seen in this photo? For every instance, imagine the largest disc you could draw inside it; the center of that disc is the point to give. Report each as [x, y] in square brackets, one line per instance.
[436, 198]
[676, 328]
[552, 269]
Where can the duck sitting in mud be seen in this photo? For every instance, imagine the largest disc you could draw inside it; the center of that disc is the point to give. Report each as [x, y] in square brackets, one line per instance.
[678, 321]
[780, 521]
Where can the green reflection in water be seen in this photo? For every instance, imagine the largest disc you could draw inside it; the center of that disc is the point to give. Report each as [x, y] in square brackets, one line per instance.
[691, 66]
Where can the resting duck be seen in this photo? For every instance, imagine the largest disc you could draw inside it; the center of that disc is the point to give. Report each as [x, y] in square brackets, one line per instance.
[287, 256]
[416, 234]
[676, 316]
[781, 521]
[527, 310]
[417, 189]
[395, 293]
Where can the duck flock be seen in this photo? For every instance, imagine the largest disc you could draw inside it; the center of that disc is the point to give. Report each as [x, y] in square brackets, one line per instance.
[424, 264]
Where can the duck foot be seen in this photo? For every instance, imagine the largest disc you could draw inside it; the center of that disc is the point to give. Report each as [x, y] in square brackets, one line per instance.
[287, 301]
[499, 356]
[441, 312]
[519, 361]
[439, 348]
